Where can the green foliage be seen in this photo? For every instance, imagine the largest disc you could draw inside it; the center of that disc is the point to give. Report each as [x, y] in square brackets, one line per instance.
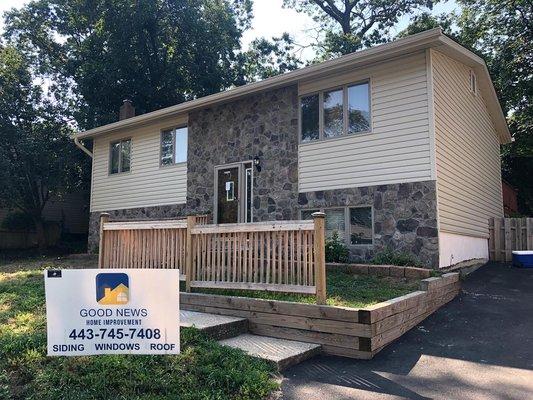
[269, 58]
[18, 221]
[343, 290]
[157, 53]
[37, 156]
[204, 369]
[348, 25]
[388, 256]
[336, 250]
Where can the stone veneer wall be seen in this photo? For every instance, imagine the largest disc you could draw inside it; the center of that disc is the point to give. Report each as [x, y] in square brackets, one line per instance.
[405, 217]
[263, 125]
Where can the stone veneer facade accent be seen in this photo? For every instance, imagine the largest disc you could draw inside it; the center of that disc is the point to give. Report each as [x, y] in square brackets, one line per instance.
[405, 217]
[263, 125]
[266, 125]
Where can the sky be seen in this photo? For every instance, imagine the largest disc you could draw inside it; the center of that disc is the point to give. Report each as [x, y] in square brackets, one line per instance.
[271, 20]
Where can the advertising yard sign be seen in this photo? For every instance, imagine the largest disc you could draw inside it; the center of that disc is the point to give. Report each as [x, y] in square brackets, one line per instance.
[112, 311]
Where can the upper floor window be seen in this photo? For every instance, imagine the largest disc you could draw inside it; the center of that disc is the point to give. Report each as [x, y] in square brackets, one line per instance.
[336, 112]
[120, 157]
[174, 146]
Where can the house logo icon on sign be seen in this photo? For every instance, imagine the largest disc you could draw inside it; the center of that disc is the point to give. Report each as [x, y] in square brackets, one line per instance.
[112, 288]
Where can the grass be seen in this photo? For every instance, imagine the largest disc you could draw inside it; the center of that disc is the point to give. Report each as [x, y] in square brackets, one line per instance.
[204, 369]
[343, 289]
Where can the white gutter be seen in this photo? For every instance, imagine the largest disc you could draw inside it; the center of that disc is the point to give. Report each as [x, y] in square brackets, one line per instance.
[82, 147]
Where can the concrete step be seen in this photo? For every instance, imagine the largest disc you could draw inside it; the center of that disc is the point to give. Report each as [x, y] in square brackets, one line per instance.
[284, 353]
[216, 326]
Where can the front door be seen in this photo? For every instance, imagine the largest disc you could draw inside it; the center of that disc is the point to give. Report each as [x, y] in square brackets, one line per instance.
[233, 200]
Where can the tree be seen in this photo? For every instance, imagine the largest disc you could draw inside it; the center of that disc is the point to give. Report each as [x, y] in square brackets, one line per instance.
[37, 157]
[349, 25]
[155, 52]
[267, 58]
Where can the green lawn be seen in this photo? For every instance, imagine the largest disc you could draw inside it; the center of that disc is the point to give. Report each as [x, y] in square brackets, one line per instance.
[343, 289]
[204, 369]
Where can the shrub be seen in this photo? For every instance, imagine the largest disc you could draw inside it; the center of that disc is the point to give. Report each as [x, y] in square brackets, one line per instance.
[336, 250]
[389, 256]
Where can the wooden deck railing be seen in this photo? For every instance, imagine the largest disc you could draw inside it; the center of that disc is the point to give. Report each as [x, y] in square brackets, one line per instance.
[144, 244]
[508, 234]
[285, 256]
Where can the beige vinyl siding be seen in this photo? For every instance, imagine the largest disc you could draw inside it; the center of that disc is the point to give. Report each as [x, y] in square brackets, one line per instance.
[147, 184]
[469, 188]
[398, 147]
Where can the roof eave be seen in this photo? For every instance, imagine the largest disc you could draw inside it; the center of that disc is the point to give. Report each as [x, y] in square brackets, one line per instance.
[401, 46]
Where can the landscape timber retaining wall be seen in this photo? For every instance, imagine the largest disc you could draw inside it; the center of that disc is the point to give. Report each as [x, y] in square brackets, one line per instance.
[343, 331]
[381, 270]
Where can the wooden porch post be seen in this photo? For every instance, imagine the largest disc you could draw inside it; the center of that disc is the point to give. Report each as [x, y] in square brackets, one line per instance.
[104, 218]
[191, 222]
[320, 257]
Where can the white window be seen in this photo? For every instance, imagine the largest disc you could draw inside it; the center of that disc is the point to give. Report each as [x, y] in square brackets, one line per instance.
[120, 156]
[336, 112]
[353, 224]
[174, 146]
[473, 82]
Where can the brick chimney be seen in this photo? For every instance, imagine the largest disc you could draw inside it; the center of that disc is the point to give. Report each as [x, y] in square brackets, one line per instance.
[126, 110]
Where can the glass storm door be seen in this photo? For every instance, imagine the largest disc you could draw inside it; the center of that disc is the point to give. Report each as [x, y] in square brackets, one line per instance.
[228, 195]
[234, 193]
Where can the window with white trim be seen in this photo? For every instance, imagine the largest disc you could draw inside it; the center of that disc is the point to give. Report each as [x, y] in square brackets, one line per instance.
[353, 224]
[335, 112]
[120, 156]
[174, 146]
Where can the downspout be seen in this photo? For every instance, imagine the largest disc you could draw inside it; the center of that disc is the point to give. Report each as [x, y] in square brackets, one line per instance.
[82, 147]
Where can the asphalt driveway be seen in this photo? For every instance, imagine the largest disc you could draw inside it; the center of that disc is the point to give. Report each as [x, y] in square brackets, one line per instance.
[479, 346]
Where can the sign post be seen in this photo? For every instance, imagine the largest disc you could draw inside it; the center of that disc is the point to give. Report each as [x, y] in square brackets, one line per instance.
[112, 311]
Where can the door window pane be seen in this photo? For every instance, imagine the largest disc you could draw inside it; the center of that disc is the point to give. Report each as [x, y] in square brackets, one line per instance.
[125, 156]
[181, 145]
[335, 222]
[115, 157]
[361, 225]
[166, 147]
[358, 108]
[333, 113]
[309, 117]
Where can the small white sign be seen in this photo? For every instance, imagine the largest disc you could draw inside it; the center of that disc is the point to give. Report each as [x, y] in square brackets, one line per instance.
[112, 311]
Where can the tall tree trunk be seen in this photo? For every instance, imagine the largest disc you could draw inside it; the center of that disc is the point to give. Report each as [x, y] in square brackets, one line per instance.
[39, 229]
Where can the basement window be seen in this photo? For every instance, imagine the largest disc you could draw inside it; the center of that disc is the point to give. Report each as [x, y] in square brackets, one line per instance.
[120, 156]
[174, 146]
[353, 224]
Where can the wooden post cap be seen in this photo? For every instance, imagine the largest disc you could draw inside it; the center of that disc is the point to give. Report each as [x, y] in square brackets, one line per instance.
[318, 214]
[104, 215]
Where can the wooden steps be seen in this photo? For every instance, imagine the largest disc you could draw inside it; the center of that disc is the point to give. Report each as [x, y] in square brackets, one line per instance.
[283, 353]
[216, 326]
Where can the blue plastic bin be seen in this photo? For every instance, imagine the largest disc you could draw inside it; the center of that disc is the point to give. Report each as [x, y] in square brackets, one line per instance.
[523, 259]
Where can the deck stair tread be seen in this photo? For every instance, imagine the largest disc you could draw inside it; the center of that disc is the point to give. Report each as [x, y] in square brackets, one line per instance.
[282, 352]
[216, 326]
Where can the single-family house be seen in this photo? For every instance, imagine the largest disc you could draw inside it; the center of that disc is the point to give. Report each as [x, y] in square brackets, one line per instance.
[398, 144]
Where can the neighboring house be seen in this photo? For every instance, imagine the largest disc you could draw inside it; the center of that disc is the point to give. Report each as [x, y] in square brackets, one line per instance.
[510, 199]
[399, 144]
